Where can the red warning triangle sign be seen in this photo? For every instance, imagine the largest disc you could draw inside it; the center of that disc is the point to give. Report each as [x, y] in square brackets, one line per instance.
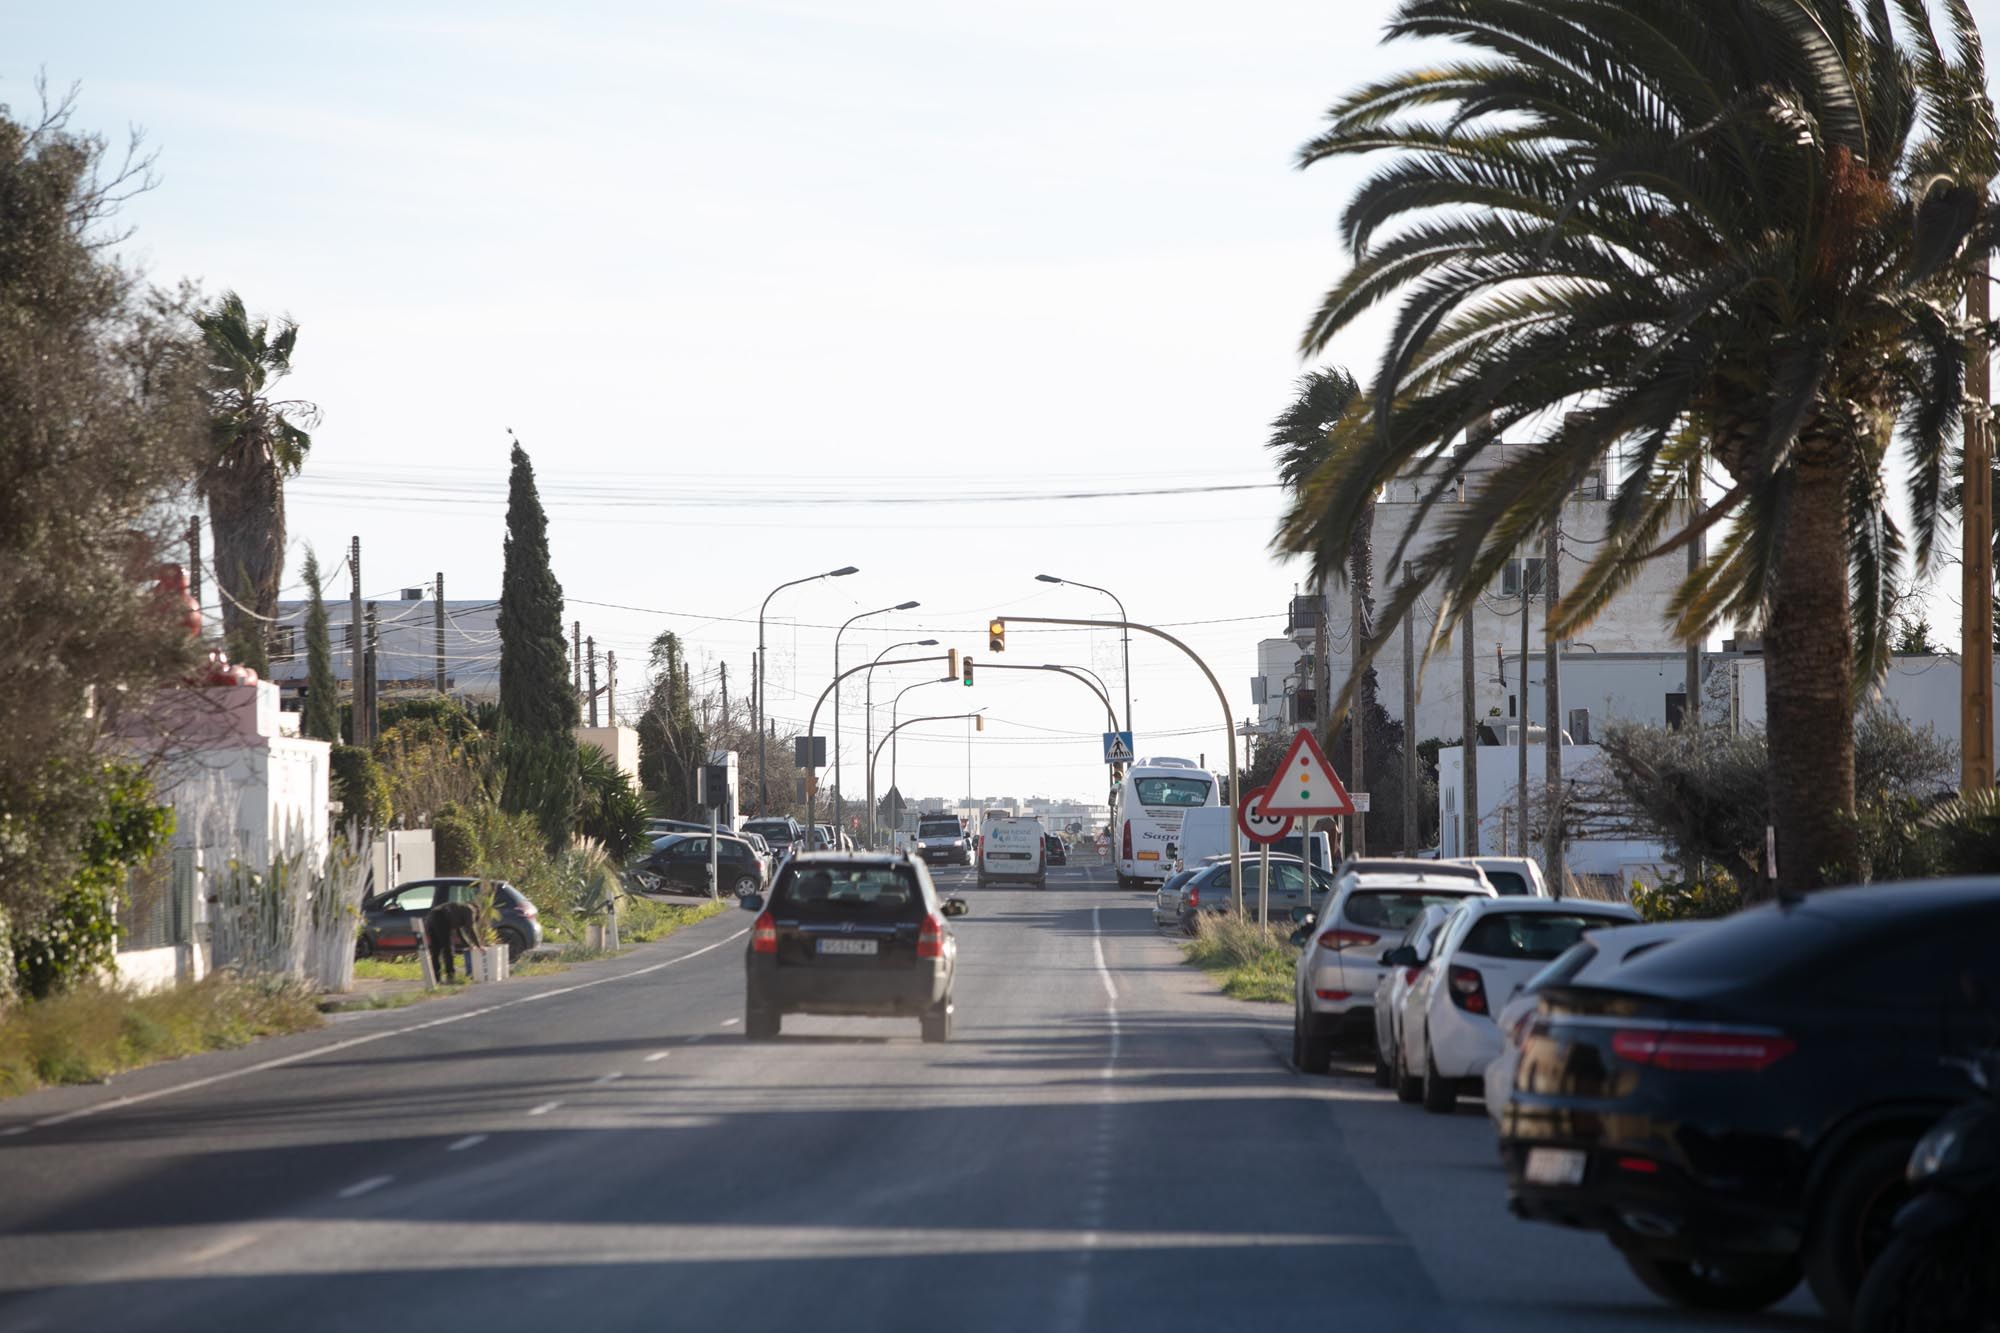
[1305, 784]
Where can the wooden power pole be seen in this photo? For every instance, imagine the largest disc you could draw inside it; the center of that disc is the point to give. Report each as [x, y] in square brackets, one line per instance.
[1976, 587]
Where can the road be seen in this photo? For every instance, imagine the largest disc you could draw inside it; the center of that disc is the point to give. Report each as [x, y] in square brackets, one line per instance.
[1105, 1144]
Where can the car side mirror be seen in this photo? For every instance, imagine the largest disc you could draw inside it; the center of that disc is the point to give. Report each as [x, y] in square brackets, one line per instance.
[1304, 916]
[956, 907]
[1401, 956]
[751, 902]
[1301, 935]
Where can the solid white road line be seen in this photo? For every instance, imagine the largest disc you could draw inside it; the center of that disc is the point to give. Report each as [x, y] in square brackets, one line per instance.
[298, 1056]
[658, 1055]
[731, 1022]
[544, 1108]
[469, 1141]
[362, 1187]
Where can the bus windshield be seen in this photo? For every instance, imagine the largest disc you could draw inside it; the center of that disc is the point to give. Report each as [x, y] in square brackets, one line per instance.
[1173, 791]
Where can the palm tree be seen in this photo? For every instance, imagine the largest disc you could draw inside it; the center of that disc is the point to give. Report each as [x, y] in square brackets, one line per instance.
[1302, 439]
[1631, 228]
[255, 443]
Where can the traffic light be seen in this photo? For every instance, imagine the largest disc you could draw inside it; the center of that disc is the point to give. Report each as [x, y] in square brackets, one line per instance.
[968, 670]
[950, 663]
[996, 636]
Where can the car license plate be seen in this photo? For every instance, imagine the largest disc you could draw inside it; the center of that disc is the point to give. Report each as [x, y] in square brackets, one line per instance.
[847, 946]
[1554, 1166]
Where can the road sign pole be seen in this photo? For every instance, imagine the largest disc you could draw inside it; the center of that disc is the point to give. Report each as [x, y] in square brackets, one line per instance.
[1264, 885]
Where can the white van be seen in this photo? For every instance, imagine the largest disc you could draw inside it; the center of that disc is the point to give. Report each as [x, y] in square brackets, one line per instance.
[1011, 850]
[1205, 833]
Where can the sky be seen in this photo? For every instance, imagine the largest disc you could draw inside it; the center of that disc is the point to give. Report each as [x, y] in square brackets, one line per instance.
[772, 288]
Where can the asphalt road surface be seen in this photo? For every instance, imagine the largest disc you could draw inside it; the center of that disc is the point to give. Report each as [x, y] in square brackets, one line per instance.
[1104, 1144]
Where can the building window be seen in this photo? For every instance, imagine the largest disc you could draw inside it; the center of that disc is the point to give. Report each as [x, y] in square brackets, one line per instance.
[284, 643]
[1592, 485]
[1510, 578]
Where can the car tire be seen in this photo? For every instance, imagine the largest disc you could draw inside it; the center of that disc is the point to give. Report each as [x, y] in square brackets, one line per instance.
[1409, 1091]
[745, 886]
[762, 1024]
[1312, 1054]
[364, 947]
[1440, 1093]
[516, 943]
[937, 1023]
[1852, 1223]
[1743, 1284]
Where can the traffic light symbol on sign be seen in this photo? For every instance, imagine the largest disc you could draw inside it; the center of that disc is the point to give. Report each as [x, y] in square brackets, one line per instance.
[968, 669]
[996, 636]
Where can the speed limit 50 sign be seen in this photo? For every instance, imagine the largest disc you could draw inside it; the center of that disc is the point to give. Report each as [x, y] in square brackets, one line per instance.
[1260, 829]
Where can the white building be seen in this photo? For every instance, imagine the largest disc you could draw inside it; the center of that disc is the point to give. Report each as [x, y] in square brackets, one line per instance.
[408, 651]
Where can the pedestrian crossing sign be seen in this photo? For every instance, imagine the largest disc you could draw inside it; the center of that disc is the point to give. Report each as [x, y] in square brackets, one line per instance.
[1305, 783]
[1117, 747]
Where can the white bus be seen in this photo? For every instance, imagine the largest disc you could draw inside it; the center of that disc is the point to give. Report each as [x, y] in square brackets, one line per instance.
[1146, 813]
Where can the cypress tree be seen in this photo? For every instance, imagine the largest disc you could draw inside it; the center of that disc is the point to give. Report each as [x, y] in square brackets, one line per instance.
[538, 707]
[322, 719]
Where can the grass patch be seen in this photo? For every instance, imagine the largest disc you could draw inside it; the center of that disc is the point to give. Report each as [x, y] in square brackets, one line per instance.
[641, 920]
[88, 1033]
[1249, 961]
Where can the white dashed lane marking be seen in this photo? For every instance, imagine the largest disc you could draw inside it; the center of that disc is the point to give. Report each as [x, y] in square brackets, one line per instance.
[544, 1108]
[361, 1187]
[469, 1141]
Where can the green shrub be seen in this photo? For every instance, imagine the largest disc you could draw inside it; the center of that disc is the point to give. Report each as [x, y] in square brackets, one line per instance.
[454, 842]
[1684, 900]
[1252, 962]
[358, 784]
[77, 939]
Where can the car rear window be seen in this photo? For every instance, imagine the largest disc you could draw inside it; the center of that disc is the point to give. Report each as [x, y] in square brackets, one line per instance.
[1565, 967]
[1532, 935]
[1395, 909]
[849, 893]
[1509, 883]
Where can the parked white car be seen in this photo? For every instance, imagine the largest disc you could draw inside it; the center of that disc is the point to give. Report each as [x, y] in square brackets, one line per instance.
[1586, 963]
[1401, 967]
[1512, 876]
[1371, 904]
[1489, 950]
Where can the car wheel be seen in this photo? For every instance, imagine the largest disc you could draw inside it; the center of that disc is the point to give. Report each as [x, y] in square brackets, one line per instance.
[744, 886]
[1742, 1283]
[364, 947]
[1313, 1054]
[762, 1024]
[1853, 1224]
[516, 944]
[937, 1023]
[1440, 1093]
[1409, 1090]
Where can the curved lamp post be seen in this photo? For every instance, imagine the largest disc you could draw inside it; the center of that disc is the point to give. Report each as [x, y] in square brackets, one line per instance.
[764, 677]
[1051, 578]
[840, 796]
[868, 720]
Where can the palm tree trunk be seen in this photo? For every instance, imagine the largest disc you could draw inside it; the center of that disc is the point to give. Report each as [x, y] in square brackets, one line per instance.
[248, 518]
[1809, 688]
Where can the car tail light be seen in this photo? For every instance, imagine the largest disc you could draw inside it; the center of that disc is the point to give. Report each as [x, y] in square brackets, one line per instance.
[764, 935]
[1468, 989]
[1193, 896]
[930, 938]
[1128, 840]
[1639, 1166]
[1701, 1049]
[527, 908]
[1334, 941]
[1334, 994]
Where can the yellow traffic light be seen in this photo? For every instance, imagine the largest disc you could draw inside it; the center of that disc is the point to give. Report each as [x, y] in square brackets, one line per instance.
[950, 663]
[996, 636]
[968, 670]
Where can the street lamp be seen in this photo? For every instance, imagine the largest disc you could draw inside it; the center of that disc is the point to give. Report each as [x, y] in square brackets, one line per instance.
[764, 677]
[839, 795]
[1050, 578]
[868, 714]
[895, 706]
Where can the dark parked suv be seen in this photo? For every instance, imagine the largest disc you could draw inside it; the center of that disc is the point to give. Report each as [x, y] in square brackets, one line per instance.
[389, 920]
[678, 863]
[1736, 1108]
[848, 933]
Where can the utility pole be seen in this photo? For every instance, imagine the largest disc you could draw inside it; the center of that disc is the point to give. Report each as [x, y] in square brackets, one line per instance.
[438, 588]
[1468, 814]
[1521, 779]
[590, 660]
[725, 694]
[610, 688]
[1552, 755]
[1691, 715]
[357, 674]
[370, 669]
[194, 560]
[576, 653]
[1356, 723]
[1976, 587]
[757, 723]
[1410, 789]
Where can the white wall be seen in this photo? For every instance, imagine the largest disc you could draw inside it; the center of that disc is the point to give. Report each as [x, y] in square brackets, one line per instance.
[1924, 689]
[1499, 769]
[618, 744]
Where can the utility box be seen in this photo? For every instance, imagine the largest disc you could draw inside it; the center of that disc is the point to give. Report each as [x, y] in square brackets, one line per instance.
[716, 787]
